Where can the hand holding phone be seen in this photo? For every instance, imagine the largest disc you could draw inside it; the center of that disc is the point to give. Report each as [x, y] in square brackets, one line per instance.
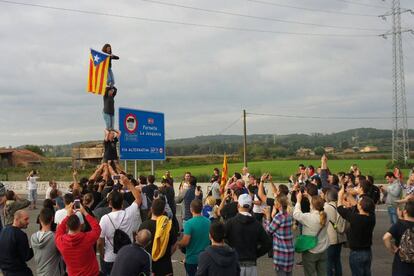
[76, 204]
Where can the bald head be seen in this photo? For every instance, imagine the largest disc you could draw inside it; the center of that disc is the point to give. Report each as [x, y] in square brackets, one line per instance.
[21, 219]
[143, 237]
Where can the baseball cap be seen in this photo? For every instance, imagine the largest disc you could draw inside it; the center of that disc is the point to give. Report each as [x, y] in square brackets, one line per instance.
[245, 201]
[2, 189]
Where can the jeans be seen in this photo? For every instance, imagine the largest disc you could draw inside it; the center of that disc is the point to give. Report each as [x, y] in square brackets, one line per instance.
[191, 269]
[248, 271]
[314, 263]
[109, 120]
[360, 262]
[106, 268]
[334, 267]
[392, 212]
[281, 272]
[110, 81]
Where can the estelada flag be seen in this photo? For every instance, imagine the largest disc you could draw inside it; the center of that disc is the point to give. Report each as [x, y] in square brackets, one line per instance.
[98, 72]
[224, 174]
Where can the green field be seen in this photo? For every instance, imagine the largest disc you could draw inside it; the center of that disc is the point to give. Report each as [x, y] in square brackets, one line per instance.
[282, 169]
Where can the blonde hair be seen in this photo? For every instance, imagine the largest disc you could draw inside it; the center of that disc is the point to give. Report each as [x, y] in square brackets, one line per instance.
[318, 204]
[210, 201]
[283, 201]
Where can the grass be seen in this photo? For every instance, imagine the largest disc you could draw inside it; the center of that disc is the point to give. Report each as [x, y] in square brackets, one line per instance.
[280, 169]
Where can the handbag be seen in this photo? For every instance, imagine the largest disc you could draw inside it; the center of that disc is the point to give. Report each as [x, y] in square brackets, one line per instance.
[306, 242]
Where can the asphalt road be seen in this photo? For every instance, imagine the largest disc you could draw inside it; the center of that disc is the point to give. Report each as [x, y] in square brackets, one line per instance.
[382, 259]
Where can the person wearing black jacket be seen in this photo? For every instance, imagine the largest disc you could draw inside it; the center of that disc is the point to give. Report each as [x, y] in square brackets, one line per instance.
[359, 236]
[15, 250]
[219, 258]
[247, 236]
[109, 107]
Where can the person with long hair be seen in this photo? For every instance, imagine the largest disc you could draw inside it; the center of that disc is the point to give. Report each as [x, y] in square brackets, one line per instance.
[279, 225]
[107, 49]
[314, 224]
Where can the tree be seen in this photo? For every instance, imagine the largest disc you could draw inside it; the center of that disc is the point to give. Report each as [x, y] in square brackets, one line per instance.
[35, 149]
[319, 151]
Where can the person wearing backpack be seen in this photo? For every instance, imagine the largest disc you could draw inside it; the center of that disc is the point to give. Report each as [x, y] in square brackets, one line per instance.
[117, 226]
[403, 247]
[336, 233]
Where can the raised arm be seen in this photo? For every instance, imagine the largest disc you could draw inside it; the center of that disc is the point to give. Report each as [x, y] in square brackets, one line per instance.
[136, 192]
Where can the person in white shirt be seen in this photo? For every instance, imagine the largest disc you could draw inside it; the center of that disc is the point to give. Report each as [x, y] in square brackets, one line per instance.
[61, 214]
[52, 185]
[32, 188]
[245, 174]
[315, 223]
[127, 220]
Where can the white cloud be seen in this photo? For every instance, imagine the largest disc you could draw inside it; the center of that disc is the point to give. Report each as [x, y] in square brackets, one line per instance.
[201, 78]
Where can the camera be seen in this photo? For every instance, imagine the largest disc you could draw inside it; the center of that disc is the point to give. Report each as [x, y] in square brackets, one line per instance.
[76, 204]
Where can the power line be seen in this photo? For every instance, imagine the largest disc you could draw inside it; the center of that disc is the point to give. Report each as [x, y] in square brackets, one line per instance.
[320, 117]
[311, 9]
[362, 4]
[259, 17]
[229, 126]
[240, 29]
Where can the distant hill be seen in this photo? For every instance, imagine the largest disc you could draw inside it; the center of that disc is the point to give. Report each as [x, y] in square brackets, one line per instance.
[266, 145]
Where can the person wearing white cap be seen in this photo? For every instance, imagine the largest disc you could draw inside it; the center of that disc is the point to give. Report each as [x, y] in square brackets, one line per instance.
[247, 236]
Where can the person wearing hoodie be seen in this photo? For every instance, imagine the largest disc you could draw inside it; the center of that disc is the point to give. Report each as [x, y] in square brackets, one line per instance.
[47, 257]
[75, 246]
[15, 250]
[247, 236]
[219, 258]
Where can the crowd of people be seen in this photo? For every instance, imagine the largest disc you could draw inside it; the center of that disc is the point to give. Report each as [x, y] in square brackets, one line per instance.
[113, 224]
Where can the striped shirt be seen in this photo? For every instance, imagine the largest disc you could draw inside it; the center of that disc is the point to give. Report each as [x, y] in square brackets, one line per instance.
[283, 249]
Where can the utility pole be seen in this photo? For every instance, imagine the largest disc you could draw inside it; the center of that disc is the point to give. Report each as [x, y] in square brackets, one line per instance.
[400, 142]
[244, 139]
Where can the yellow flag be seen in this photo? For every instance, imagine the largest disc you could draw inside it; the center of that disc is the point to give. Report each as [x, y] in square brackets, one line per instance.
[224, 174]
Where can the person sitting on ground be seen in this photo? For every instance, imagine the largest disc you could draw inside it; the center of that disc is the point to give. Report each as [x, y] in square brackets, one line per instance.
[75, 246]
[12, 205]
[401, 233]
[15, 250]
[219, 258]
[133, 259]
[47, 257]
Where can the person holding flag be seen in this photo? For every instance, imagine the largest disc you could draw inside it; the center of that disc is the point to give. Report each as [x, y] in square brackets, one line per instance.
[224, 175]
[110, 82]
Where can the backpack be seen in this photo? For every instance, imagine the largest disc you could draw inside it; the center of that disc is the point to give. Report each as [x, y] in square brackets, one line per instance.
[406, 249]
[340, 225]
[120, 237]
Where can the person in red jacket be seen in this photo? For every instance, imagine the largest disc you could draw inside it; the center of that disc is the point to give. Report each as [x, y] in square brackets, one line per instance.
[75, 246]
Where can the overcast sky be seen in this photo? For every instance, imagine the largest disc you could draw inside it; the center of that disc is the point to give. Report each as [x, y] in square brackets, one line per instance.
[201, 78]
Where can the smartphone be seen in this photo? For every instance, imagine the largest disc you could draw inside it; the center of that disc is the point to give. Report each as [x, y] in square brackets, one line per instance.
[76, 204]
[116, 177]
[156, 193]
